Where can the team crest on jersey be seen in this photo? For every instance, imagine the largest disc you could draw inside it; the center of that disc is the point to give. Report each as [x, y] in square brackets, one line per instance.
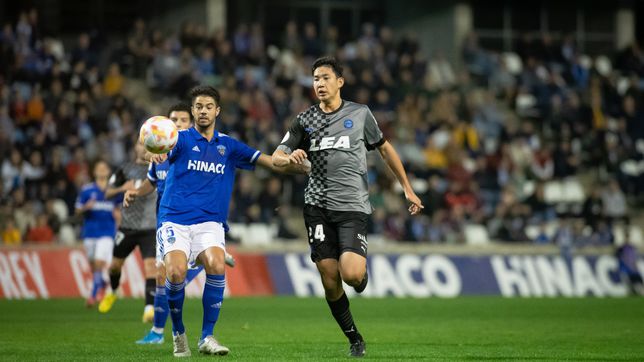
[221, 149]
[348, 123]
[309, 130]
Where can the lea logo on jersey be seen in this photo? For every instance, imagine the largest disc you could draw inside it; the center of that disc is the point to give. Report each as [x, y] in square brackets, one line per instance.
[205, 166]
[330, 142]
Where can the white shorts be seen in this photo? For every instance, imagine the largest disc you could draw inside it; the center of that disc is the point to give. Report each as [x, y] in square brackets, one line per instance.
[191, 239]
[99, 248]
[159, 251]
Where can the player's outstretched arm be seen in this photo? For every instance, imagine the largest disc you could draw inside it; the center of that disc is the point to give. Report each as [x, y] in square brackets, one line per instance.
[389, 154]
[304, 167]
[145, 188]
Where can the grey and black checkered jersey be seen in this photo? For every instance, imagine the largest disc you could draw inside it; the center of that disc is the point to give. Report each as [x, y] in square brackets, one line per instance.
[142, 213]
[336, 144]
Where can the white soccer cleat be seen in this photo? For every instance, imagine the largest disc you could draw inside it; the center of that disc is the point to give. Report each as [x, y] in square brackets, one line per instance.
[181, 348]
[209, 345]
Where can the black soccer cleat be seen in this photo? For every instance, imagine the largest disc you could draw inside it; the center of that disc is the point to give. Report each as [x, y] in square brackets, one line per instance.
[363, 284]
[358, 348]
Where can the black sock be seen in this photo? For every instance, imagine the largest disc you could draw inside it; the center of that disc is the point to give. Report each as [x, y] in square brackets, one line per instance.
[342, 315]
[150, 290]
[115, 280]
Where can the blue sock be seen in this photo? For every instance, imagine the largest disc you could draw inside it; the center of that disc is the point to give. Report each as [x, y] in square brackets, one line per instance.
[192, 273]
[176, 294]
[213, 295]
[98, 283]
[161, 309]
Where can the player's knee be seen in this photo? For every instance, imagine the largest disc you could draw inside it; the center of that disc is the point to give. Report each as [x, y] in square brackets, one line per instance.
[116, 266]
[176, 273]
[353, 277]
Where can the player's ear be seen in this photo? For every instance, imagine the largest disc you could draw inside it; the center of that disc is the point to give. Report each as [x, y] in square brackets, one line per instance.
[218, 110]
[340, 82]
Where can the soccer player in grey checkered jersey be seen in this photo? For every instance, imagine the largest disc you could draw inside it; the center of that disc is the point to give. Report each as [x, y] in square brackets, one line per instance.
[335, 136]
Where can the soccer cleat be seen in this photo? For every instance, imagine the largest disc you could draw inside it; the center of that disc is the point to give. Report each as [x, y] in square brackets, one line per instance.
[363, 284]
[230, 261]
[151, 338]
[107, 303]
[358, 348]
[181, 348]
[209, 345]
[148, 314]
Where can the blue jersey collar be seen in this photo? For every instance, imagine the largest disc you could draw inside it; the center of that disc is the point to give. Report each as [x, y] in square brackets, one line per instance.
[193, 131]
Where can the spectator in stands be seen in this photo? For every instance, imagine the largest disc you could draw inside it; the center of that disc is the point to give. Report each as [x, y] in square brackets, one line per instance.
[10, 233]
[41, 232]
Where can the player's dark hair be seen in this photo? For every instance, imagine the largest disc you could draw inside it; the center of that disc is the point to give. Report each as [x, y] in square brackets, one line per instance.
[330, 62]
[181, 107]
[94, 163]
[204, 90]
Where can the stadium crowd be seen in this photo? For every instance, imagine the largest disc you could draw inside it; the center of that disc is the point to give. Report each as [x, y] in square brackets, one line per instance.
[483, 141]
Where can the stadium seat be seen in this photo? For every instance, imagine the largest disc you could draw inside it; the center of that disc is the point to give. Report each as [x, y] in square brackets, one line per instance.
[67, 235]
[253, 234]
[513, 63]
[573, 191]
[603, 65]
[476, 234]
[60, 209]
[585, 61]
[635, 232]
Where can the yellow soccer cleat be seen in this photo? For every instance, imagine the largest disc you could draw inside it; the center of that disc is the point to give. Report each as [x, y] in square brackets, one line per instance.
[107, 303]
[148, 314]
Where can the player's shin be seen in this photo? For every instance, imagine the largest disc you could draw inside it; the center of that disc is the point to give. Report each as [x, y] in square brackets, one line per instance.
[161, 310]
[213, 296]
[176, 295]
[342, 314]
[98, 282]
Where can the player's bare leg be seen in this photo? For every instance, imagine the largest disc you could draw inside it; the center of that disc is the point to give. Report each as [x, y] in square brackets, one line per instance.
[214, 263]
[353, 269]
[339, 303]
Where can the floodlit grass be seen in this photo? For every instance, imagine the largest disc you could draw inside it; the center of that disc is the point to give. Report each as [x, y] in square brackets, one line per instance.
[283, 328]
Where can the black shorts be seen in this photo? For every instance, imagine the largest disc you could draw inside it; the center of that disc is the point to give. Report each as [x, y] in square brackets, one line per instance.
[127, 239]
[332, 233]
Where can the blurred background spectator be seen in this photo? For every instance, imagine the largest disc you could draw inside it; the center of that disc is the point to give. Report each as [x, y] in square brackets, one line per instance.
[535, 142]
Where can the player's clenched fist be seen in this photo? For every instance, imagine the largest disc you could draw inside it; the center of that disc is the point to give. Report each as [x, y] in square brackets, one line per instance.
[298, 156]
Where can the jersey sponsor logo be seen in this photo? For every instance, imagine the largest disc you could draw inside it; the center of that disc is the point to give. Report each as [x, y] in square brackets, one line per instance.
[330, 142]
[196, 149]
[161, 175]
[205, 166]
[103, 206]
[221, 149]
[348, 123]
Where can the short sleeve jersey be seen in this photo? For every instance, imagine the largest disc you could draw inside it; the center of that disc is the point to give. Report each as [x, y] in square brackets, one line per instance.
[99, 220]
[336, 144]
[141, 214]
[201, 176]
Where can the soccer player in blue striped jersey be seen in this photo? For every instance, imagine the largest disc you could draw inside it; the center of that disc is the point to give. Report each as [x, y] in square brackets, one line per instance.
[194, 210]
[100, 217]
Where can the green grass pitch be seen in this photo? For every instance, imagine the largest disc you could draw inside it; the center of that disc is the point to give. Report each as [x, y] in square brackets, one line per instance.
[284, 328]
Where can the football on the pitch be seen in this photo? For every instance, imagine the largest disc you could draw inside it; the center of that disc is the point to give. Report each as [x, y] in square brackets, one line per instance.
[158, 134]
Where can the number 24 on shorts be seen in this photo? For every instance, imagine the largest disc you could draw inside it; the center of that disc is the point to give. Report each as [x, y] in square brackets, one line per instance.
[319, 233]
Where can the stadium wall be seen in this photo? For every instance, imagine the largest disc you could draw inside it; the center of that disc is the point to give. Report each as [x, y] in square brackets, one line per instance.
[43, 273]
